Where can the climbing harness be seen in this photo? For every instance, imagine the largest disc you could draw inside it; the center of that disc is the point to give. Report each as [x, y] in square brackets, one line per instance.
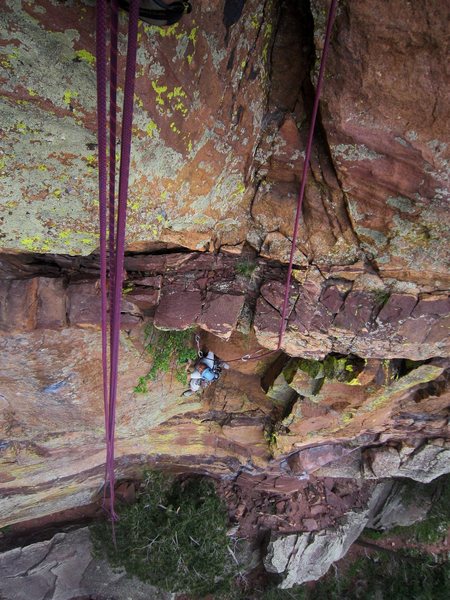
[157, 12]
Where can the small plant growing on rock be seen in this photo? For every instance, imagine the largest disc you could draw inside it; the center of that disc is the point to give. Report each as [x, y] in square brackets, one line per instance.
[168, 351]
[245, 268]
[173, 537]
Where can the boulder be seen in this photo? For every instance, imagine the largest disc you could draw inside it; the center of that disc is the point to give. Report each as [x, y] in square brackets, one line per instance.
[62, 568]
[306, 557]
[406, 503]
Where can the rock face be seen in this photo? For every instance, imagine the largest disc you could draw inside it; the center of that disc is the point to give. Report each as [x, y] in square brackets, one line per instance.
[223, 100]
[387, 126]
[200, 102]
[220, 127]
[62, 568]
[52, 407]
[177, 291]
[306, 557]
[366, 405]
[330, 314]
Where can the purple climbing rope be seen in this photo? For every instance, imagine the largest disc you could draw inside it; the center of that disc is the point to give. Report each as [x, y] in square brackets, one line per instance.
[127, 122]
[116, 238]
[326, 45]
[102, 183]
[112, 133]
[284, 316]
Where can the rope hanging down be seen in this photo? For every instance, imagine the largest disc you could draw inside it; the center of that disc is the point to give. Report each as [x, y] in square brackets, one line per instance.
[284, 317]
[112, 230]
[118, 222]
[284, 312]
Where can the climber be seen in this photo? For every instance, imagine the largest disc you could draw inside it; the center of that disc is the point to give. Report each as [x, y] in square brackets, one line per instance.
[206, 370]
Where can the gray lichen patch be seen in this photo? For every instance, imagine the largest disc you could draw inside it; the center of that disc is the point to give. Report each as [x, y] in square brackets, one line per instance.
[48, 183]
[353, 152]
[403, 204]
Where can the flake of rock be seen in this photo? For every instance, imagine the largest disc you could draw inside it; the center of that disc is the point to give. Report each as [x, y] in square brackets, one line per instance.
[220, 313]
[397, 308]
[177, 309]
[51, 303]
[18, 304]
[356, 315]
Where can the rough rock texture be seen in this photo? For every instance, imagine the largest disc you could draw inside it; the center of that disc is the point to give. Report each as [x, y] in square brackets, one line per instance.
[222, 100]
[51, 401]
[363, 317]
[62, 568]
[182, 289]
[404, 504]
[303, 557]
[306, 557]
[177, 291]
[366, 407]
[387, 125]
[52, 414]
[200, 100]
[222, 104]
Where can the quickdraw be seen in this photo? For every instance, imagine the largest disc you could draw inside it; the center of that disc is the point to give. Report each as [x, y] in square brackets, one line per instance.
[197, 341]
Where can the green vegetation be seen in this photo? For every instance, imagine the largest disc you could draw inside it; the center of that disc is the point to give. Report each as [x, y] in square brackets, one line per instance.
[168, 351]
[382, 576]
[344, 369]
[381, 297]
[388, 574]
[173, 537]
[245, 268]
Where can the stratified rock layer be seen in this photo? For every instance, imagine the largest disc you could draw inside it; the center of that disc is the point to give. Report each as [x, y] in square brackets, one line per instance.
[338, 315]
[223, 101]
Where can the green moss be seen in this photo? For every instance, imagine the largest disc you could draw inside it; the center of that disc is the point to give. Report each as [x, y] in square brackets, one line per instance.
[314, 368]
[422, 374]
[347, 417]
[68, 96]
[159, 89]
[162, 31]
[168, 351]
[394, 575]
[381, 297]
[151, 128]
[193, 35]
[245, 268]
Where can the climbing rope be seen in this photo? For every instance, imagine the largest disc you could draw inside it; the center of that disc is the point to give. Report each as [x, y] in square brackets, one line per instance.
[117, 222]
[312, 126]
[112, 229]
[284, 312]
